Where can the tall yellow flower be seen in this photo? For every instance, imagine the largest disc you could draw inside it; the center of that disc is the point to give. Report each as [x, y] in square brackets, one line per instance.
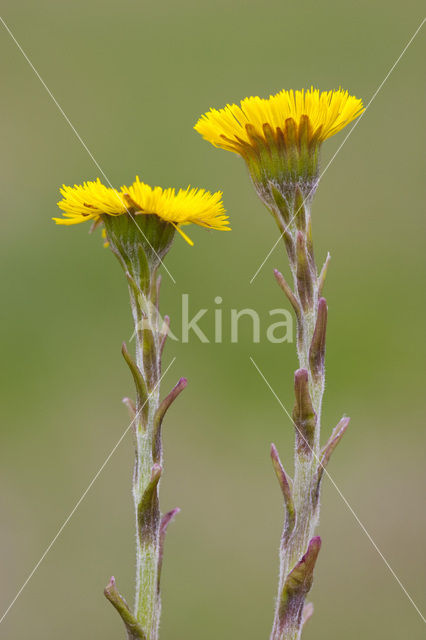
[94, 201]
[322, 114]
[280, 137]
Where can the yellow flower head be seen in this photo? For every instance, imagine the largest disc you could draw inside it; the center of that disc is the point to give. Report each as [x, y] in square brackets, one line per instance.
[285, 118]
[92, 200]
[280, 137]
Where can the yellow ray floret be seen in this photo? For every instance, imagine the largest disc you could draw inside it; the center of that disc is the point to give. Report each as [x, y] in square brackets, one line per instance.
[328, 113]
[88, 201]
[92, 199]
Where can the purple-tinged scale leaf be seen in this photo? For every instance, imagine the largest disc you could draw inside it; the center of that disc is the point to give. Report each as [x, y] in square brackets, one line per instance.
[166, 520]
[141, 390]
[296, 587]
[288, 292]
[148, 508]
[159, 416]
[334, 439]
[323, 274]
[304, 416]
[317, 348]
[133, 628]
[303, 273]
[284, 483]
[327, 450]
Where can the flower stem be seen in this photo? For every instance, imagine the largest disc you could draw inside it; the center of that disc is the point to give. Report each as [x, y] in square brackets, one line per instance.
[148, 413]
[299, 548]
[148, 465]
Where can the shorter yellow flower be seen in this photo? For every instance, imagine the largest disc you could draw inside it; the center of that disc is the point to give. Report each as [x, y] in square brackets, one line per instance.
[92, 200]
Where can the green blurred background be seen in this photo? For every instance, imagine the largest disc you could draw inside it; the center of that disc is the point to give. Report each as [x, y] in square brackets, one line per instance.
[133, 77]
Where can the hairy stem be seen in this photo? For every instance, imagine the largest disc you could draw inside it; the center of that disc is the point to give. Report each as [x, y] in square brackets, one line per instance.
[147, 471]
[299, 548]
[140, 265]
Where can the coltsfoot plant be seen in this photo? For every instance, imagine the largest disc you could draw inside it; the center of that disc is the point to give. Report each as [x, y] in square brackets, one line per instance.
[280, 140]
[139, 225]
